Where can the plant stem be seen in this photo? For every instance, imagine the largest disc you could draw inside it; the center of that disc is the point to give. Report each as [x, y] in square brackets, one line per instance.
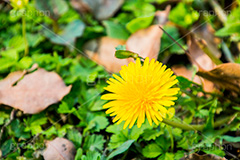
[55, 26]
[26, 51]
[195, 127]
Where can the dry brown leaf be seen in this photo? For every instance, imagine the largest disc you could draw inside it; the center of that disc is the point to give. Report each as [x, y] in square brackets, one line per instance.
[101, 9]
[206, 32]
[225, 75]
[198, 57]
[59, 149]
[195, 156]
[103, 52]
[181, 70]
[146, 42]
[35, 92]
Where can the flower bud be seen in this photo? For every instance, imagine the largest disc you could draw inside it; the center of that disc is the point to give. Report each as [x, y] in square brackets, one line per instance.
[19, 4]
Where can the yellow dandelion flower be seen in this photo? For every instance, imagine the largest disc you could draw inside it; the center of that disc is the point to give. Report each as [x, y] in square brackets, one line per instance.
[141, 91]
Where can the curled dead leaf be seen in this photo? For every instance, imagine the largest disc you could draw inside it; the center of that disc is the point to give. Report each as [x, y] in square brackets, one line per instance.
[198, 57]
[33, 92]
[206, 32]
[59, 149]
[225, 75]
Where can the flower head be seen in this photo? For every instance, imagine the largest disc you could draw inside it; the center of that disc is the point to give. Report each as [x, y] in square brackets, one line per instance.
[141, 91]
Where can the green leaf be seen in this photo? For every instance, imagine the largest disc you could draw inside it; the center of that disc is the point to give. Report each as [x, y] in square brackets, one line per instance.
[163, 142]
[99, 122]
[183, 143]
[75, 136]
[139, 7]
[10, 53]
[8, 146]
[34, 123]
[140, 23]
[151, 134]
[121, 149]
[17, 42]
[229, 30]
[210, 119]
[3, 117]
[183, 15]
[18, 130]
[152, 151]
[122, 135]
[166, 156]
[25, 63]
[78, 154]
[184, 83]
[91, 155]
[65, 108]
[230, 138]
[215, 151]
[68, 36]
[53, 8]
[34, 39]
[93, 143]
[179, 154]
[6, 63]
[115, 30]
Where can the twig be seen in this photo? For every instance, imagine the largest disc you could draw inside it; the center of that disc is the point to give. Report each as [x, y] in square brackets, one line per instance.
[186, 51]
[6, 124]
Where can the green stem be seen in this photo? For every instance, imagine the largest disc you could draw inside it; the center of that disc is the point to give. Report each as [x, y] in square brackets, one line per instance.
[171, 136]
[26, 51]
[55, 26]
[195, 127]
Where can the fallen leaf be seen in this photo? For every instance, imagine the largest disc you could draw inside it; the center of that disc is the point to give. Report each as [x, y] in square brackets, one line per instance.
[206, 32]
[181, 70]
[103, 51]
[34, 92]
[198, 57]
[195, 156]
[225, 75]
[59, 149]
[146, 42]
[101, 9]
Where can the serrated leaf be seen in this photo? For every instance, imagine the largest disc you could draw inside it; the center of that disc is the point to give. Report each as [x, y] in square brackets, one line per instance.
[75, 136]
[151, 134]
[152, 151]
[78, 154]
[91, 155]
[93, 142]
[167, 156]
